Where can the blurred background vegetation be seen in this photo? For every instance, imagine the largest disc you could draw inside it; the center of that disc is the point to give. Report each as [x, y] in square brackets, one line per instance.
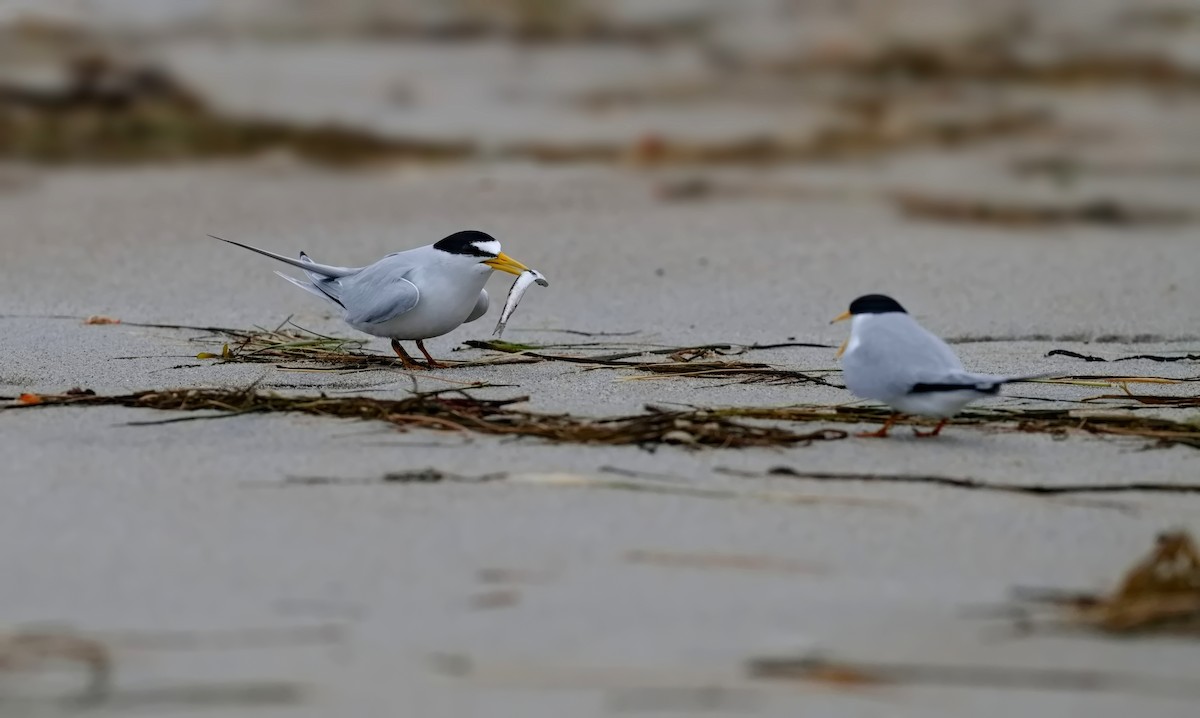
[1002, 93]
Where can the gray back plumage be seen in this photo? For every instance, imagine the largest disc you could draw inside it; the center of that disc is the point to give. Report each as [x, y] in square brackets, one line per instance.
[370, 295]
[375, 293]
[893, 353]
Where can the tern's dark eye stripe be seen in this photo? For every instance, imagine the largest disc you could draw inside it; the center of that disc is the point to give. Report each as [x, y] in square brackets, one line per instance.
[934, 388]
[464, 243]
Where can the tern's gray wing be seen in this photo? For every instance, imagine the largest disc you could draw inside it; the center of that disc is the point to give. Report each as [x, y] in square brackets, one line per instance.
[894, 355]
[376, 297]
[481, 306]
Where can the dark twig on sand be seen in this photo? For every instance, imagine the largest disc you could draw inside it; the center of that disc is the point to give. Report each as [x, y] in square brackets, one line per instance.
[980, 485]
[1148, 357]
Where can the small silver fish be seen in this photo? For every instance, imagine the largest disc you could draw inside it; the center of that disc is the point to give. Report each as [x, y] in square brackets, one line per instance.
[528, 277]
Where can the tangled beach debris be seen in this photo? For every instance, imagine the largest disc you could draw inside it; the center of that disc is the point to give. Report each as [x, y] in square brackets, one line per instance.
[1160, 594]
[716, 427]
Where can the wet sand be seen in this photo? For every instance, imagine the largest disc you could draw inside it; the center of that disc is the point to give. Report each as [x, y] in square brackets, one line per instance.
[195, 525]
[285, 520]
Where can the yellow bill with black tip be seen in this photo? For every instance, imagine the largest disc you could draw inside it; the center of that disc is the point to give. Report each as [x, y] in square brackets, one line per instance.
[841, 317]
[505, 263]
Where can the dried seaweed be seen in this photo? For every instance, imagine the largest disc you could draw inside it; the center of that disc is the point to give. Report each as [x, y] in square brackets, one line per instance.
[239, 694]
[815, 669]
[100, 319]
[455, 410]
[963, 482]
[495, 598]
[1143, 338]
[1058, 422]
[984, 211]
[1151, 399]
[36, 650]
[523, 22]
[1032, 215]
[1159, 594]
[1148, 357]
[696, 427]
[723, 561]
[294, 343]
[683, 361]
[625, 481]
[995, 61]
[108, 112]
[841, 140]
[1065, 168]
[429, 475]
[849, 675]
[700, 187]
[290, 344]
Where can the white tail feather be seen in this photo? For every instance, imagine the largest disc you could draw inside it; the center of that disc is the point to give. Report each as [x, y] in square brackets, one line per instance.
[308, 287]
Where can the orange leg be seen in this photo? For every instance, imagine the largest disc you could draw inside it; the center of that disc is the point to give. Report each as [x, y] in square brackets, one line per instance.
[433, 363]
[405, 359]
[883, 432]
[927, 434]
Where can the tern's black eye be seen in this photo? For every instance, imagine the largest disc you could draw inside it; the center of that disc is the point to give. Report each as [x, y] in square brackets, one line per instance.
[471, 243]
[875, 304]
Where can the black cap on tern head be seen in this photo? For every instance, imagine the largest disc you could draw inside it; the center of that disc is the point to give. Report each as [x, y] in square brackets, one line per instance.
[875, 304]
[470, 242]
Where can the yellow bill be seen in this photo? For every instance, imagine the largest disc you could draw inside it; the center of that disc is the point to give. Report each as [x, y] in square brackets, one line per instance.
[505, 263]
[841, 317]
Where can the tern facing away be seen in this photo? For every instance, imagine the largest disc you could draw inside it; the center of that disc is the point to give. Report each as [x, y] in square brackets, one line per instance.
[892, 359]
[417, 294]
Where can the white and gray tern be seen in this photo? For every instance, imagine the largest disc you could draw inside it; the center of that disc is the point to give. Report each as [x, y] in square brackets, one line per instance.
[892, 359]
[417, 294]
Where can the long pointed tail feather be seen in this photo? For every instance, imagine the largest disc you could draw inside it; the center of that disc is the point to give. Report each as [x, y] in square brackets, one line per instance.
[309, 266]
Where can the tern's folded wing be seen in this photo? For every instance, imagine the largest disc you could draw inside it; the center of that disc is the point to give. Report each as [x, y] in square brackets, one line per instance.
[894, 355]
[375, 299]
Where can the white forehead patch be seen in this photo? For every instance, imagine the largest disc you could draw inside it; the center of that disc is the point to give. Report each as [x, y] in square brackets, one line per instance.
[490, 246]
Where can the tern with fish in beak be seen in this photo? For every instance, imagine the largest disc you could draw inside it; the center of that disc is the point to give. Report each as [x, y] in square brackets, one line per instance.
[414, 295]
[892, 359]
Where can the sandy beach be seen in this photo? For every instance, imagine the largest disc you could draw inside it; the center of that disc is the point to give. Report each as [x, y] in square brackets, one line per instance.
[459, 573]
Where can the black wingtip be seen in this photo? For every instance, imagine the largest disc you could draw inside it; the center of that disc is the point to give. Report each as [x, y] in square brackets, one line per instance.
[990, 388]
